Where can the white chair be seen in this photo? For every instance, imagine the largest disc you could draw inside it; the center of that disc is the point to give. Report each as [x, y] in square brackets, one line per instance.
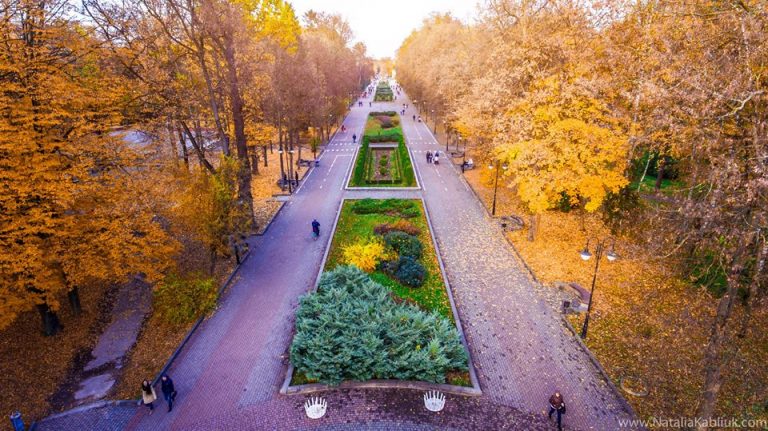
[434, 401]
[315, 407]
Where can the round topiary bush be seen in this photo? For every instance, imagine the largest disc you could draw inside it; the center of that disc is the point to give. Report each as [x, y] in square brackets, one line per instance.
[410, 272]
[404, 244]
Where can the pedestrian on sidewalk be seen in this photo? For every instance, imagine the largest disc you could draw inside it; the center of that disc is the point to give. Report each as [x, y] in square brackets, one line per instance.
[370, 104]
[169, 392]
[557, 404]
[429, 156]
[148, 395]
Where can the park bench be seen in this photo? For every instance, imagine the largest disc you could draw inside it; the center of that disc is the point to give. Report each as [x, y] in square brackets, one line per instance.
[512, 223]
[308, 162]
[578, 305]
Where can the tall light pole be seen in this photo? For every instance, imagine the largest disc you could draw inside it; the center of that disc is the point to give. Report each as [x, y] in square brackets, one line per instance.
[498, 165]
[586, 255]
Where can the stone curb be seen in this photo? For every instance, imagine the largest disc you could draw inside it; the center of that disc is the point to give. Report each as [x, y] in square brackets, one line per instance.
[272, 219]
[624, 403]
[83, 408]
[287, 389]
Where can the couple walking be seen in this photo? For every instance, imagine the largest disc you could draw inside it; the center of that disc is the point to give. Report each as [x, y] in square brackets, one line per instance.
[433, 158]
[148, 395]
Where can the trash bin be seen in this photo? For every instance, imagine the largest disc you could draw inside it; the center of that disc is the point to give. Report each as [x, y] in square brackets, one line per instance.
[17, 422]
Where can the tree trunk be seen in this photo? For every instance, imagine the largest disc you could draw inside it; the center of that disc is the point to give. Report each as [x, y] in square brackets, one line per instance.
[236, 104]
[754, 284]
[184, 152]
[645, 172]
[717, 340]
[255, 163]
[172, 141]
[534, 227]
[223, 137]
[659, 174]
[49, 320]
[74, 301]
[196, 145]
[264, 151]
[212, 268]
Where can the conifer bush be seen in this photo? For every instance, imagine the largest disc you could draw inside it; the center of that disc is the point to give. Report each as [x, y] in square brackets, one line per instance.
[410, 272]
[352, 329]
[404, 244]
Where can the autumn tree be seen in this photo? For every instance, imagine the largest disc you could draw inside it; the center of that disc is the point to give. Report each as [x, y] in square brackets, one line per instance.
[68, 212]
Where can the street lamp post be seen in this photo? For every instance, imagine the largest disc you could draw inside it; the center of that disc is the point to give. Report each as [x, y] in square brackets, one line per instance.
[434, 121]
[498, 165]
[586, 255]
[447, 138]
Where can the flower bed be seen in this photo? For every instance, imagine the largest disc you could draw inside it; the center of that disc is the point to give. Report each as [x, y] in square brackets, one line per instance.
[383, 127]
[400, 276]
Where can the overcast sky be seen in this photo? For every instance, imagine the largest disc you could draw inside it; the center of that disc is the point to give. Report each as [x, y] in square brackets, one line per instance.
[383, 25]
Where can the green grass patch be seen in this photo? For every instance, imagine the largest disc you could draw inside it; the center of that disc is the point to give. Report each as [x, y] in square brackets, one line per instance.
[353, 227]
[668, 186]
[383, 127]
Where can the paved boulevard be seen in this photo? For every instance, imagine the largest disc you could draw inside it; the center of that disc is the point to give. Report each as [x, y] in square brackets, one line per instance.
[229, 375]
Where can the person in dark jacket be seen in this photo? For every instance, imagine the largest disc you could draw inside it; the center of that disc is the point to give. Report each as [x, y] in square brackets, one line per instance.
[169, 392]
[557, 404]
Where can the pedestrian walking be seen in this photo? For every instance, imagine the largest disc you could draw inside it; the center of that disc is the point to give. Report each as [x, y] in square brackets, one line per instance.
[370, 104]
[557, 404]
[169, 392]
[148, 395]
[429, 156]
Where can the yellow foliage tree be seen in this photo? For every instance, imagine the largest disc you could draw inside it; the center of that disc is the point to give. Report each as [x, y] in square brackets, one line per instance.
[563, 144]
[70, 212]
[365, 254]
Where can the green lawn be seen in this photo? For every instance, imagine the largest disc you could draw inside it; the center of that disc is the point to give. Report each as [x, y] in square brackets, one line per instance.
[374, 132]
[649, 185]
[353, 227]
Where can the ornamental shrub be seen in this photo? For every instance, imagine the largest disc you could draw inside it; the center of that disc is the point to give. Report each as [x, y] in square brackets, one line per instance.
[365, 254]
[184, 299]
[352, 329]
[404, 244]
[401, 225]
[395, 207]
[410, 272]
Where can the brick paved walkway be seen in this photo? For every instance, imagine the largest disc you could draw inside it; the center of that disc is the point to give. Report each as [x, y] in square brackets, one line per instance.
[228, 376]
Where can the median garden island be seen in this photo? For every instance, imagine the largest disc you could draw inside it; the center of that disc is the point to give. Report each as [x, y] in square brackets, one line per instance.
[383, 93]
[383, 159]
[381, 310]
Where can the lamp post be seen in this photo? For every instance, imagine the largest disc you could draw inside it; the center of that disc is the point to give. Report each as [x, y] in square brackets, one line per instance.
[457, 142]
[498, 165]
[434, 120]
[586, 255]
[447, 138]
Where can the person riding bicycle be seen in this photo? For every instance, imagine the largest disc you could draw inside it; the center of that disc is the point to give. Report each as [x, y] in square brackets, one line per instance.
[315, 228]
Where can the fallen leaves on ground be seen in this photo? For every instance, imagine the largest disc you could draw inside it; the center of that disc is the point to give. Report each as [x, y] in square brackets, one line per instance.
[647, 320]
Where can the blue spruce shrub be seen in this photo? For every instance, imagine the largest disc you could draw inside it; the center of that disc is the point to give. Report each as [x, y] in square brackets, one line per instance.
[352, 329]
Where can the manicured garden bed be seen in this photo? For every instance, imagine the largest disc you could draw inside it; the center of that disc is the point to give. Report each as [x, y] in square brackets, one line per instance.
[383, 93]
[383, 159]
[385, 248]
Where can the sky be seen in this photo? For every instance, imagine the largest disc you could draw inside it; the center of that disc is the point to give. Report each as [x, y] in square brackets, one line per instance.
[383, 25]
